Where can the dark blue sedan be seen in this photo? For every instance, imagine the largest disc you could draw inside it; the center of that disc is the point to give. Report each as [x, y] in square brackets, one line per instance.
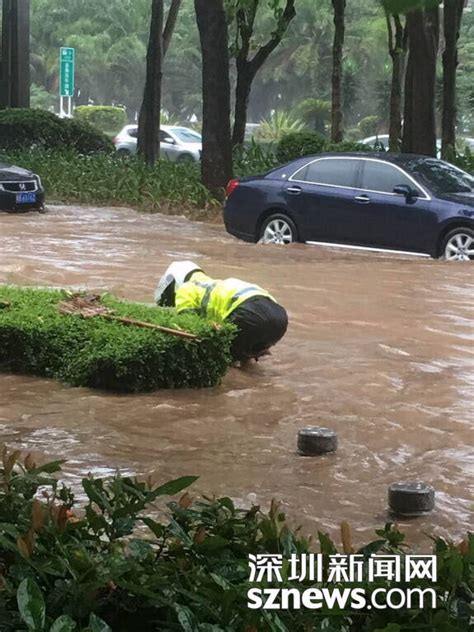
[399, 202]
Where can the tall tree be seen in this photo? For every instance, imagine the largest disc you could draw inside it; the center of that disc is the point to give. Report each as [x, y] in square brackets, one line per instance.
[397, 48]
[419, 126]
[453, 10]
[150, 112]
[339, 7]
[245, 13]
[216, 162]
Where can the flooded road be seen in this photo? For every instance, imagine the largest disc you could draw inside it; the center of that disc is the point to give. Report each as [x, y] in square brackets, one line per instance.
[380, 348]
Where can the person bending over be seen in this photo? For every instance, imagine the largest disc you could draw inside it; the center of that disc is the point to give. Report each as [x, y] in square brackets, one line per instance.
[261, 322]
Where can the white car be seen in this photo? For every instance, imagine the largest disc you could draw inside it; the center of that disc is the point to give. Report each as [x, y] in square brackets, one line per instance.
[179, 144]
[381, 142]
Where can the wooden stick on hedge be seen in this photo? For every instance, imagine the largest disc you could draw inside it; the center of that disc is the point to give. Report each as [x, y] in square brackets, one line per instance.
[88, 307]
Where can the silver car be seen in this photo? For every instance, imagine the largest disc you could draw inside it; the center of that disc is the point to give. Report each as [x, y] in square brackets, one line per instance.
[179, 144]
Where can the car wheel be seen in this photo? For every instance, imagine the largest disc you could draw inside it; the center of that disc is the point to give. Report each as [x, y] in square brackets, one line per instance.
[185, 159]
[278, 229]
[123, 153]
[458, 245]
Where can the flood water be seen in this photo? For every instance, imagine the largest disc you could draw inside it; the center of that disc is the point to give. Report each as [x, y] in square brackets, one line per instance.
[380, 347]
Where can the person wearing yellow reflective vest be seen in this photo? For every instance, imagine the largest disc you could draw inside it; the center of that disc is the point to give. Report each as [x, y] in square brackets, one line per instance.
[260, 320]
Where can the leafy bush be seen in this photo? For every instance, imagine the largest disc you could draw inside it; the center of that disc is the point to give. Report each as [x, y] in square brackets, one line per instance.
[254, 158]
[279, 125]
[294, 146]
[21, 129]
[465, 161]
[113, 565]
[316, 113]
[103, 179]
[307, 143]
[107, 118]
[370, 125]
[36, 339]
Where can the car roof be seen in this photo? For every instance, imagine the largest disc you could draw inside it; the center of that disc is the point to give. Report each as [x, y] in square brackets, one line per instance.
[386, 156]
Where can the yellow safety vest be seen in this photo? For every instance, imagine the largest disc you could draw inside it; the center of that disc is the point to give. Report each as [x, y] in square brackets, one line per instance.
[215, 299]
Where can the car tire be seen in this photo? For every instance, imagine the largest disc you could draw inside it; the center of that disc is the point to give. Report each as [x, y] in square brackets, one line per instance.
[123, 153]
[185, 159]
[278, 229]
[458, 245]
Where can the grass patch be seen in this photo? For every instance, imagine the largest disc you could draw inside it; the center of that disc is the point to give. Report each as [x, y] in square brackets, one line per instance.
[36, 339]
[107, 179]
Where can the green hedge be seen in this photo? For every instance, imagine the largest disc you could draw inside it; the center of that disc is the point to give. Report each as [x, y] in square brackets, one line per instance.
[108, 179]
[295, 146]
[21, 129]
[107, 118]
[36, 339]
[114, 565]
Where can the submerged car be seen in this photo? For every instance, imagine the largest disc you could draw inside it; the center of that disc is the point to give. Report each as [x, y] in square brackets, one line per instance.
[399, 202]
[20, 189]
[179, 144]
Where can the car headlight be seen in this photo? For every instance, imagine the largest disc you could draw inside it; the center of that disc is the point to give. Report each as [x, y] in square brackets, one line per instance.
[40, 185]
[1, 187]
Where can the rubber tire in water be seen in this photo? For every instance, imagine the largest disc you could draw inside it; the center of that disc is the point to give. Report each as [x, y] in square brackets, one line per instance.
[284, 218]
[450, 235]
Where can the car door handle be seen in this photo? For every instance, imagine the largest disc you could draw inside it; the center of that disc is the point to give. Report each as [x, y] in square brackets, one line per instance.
[363, 199]
[294, 190]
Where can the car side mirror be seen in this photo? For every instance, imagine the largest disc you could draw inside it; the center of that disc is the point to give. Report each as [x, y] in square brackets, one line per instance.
[406, 191]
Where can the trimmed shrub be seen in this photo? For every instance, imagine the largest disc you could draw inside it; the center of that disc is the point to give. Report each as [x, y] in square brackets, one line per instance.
[107, 118]
[294, 146]
[36, 339]
[370, 125]
[22, 128]
[305, 144]
[115, 565]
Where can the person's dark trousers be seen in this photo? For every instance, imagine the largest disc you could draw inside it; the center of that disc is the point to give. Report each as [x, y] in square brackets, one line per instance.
[261, 322]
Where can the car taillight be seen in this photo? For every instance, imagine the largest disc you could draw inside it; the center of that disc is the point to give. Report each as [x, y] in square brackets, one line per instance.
[231, 186]
[115, 140]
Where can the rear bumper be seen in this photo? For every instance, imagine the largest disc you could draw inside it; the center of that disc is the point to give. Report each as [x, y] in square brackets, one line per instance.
[8, 202]
[237, 233]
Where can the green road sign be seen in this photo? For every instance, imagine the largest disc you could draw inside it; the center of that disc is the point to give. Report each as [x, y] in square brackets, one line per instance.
[66, 75]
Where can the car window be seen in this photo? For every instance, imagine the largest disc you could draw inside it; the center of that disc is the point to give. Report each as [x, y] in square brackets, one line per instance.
[340, 172]
[440, 176]
[187, 135]
[133, 132]
[383, 177]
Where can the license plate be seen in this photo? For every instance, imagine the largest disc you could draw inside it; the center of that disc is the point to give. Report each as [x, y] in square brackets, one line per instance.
[26, 198]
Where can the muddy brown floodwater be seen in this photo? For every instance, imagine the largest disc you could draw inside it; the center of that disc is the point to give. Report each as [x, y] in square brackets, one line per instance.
[380, 348]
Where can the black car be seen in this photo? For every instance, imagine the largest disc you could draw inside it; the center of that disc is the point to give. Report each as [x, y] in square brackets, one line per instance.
[20, 189]
[399, 202]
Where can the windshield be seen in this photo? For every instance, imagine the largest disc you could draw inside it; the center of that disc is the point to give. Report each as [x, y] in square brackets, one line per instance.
[187, 135]
[441, 177]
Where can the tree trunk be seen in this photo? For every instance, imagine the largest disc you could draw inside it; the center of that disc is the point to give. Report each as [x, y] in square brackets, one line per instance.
[15, 54]
[149, 119]
[419, 129]
[339, 31]
[242, 95]
[453, 10]
[216, 162]
[397, 46]
[170, 24]
[247, 69]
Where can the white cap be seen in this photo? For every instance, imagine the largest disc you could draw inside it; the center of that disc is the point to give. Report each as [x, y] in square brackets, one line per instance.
[176, 274]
